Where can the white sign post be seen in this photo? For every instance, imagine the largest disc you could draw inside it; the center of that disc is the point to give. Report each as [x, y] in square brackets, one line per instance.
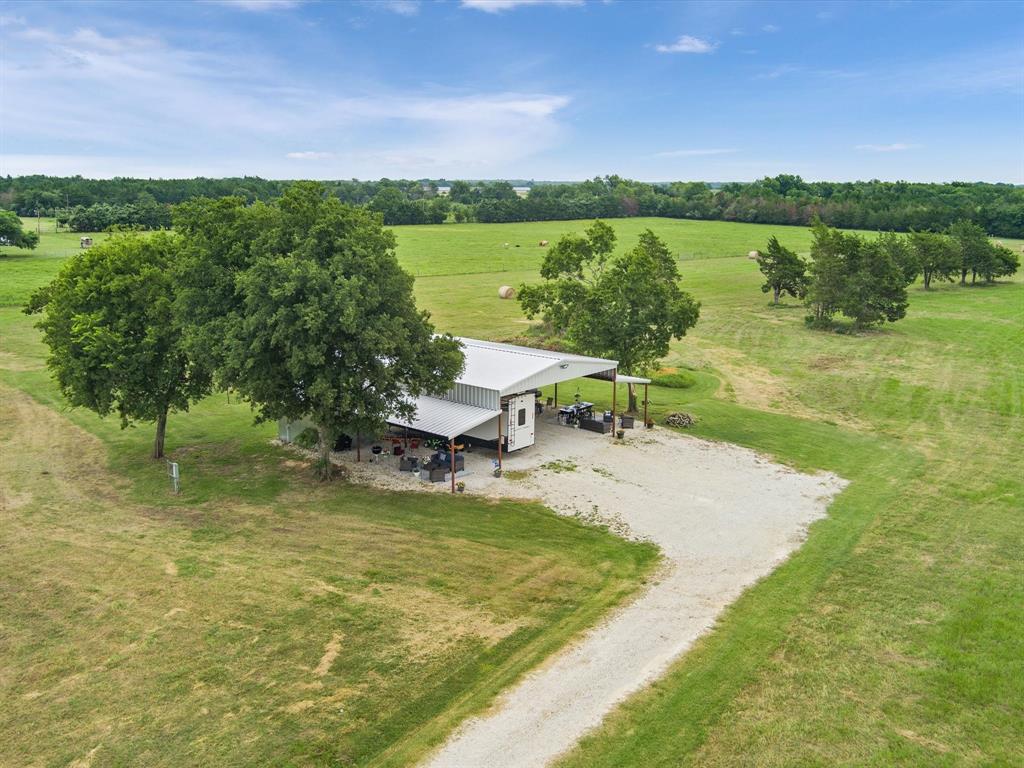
[172, 470]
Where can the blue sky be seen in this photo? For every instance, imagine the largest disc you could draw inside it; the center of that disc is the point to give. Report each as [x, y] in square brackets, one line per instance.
[514, 89]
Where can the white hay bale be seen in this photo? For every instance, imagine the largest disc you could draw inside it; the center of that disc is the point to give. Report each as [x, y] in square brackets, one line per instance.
[506, 292]
[542, 243]
[755, 255]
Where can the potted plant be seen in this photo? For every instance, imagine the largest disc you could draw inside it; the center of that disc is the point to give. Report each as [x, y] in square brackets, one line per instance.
[649, 423]
[460, 486]
[620, 434]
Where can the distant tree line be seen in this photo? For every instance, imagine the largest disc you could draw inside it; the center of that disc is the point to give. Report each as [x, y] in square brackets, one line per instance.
[98, 217]
[866, 279]
[783, 199]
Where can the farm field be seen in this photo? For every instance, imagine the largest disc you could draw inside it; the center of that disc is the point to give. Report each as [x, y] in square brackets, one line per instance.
[891, 637]
[263, 619]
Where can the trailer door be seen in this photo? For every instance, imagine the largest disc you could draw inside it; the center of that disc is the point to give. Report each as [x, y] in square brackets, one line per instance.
[520, 424]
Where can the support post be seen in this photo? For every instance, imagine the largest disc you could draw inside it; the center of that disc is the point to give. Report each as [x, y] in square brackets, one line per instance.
[359, 453]
[615, 390]
[499, 438]
[645, 405]
[556, 399]
[451, 445]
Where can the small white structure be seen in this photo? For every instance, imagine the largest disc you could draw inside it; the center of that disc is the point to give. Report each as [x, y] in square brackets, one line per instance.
[85, 242]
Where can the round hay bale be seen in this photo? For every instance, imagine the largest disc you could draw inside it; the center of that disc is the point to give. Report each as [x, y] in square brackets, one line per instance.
[542, 243]
[755, 255]
[506, 292]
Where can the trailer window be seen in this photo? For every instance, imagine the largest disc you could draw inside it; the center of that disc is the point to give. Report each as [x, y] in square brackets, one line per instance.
[522, 417]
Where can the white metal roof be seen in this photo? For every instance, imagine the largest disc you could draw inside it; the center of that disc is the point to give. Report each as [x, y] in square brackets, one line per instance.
[444, 417]
[623, 379]
[508, 368]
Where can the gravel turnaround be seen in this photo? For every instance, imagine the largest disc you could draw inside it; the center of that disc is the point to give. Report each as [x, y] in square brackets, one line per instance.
[724, 517]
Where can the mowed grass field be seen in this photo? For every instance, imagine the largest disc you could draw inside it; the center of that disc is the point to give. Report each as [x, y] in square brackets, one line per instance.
[891, 637]
[258, 618]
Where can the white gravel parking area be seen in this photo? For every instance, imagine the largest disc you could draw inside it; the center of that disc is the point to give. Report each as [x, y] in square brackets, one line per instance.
[724, 516]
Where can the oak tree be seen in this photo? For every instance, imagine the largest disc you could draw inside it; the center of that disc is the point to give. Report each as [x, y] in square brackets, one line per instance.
[115, 346]
[314, 318]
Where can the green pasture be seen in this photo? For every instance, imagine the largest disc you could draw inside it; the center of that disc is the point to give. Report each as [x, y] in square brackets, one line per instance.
[892, 637]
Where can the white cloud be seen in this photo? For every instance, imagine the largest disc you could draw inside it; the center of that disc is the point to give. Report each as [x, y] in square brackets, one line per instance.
[260, 6]
[695, 152]
[401, 7]
[779, 71]
[242, 113]
[497, 6]
[770, 28]
[687, 44]
[884, 147]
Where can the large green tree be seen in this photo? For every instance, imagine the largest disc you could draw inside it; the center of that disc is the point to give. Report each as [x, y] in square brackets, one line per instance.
[13, 235]
[110, 325]
[314, 316]
[937, 254]
[627, 308]
[784, 271]
[571, 270]
[865, 280]
[827, 272]
[877, 279]
[975, 248]
[1004, 263]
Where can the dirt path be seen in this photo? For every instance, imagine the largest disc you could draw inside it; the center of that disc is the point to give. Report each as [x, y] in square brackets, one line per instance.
[724, 517]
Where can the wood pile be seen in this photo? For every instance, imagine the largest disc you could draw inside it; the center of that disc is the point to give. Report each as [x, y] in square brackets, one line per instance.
[679, 419]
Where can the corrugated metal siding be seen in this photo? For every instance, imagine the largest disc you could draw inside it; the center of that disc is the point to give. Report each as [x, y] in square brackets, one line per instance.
[470, 395]
[444, 417]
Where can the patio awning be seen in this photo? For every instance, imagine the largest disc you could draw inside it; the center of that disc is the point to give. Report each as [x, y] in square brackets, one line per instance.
[623, 379]
[444, 418]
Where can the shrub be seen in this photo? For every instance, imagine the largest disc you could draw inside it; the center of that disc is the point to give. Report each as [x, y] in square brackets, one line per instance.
[679, 380]
[308, 438]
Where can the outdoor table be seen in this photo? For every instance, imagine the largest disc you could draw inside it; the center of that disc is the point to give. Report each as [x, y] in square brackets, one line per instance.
[571, 414]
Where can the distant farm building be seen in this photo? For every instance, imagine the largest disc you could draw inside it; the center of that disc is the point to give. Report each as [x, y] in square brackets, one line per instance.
[521, 191]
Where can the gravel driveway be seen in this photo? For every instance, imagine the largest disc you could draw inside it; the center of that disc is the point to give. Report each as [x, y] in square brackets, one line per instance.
[724, 517]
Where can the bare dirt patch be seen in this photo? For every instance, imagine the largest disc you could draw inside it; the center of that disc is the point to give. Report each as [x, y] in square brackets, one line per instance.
[754, 386]
[331, 651]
